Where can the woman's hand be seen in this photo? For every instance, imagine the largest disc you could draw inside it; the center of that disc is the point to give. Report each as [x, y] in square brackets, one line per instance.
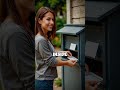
[68, 53]
[71, 63]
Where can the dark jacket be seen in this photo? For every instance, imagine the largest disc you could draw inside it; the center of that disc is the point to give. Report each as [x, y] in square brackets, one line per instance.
[17, 60]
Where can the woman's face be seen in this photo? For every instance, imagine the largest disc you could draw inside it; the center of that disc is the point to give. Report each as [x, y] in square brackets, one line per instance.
[47, 22]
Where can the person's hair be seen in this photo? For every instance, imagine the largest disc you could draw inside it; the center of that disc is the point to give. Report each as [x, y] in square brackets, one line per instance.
[3, 10]
[8, 7]
[40, 15]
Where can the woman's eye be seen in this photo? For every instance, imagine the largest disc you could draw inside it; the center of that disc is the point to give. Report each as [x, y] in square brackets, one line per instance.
[48, 19]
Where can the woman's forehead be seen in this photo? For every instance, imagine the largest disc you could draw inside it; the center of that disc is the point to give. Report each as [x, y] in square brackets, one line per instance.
[49, 14]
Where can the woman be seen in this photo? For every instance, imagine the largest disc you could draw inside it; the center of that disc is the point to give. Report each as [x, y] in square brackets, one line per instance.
[45, 28]
[16, 45]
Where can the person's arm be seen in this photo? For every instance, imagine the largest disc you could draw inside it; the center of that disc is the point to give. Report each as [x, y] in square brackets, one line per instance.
[48, 57]
[45, 53]
[67, 63]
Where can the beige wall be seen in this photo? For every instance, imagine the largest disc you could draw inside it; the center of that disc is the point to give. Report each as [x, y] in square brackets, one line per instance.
[75, 11]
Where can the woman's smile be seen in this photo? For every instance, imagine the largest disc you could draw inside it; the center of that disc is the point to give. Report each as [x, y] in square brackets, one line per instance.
[47, 22]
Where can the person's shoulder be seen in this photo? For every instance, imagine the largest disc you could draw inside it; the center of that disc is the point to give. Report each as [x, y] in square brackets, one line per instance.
[11, 27]
[40, 38]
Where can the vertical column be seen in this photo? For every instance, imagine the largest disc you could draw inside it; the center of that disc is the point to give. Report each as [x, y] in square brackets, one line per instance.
[68, 3]
[78, 11]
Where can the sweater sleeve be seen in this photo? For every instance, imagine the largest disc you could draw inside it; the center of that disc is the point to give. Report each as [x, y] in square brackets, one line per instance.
[46, 53]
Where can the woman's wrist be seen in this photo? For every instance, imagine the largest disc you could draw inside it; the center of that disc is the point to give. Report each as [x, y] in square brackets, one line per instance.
[62, 63]
[65, 62]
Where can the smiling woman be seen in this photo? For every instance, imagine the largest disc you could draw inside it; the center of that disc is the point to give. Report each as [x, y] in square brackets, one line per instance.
[45, 29]
[46, 24]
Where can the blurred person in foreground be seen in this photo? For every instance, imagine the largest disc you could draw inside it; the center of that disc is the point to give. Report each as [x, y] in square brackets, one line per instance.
[45, 29]
[17, 59]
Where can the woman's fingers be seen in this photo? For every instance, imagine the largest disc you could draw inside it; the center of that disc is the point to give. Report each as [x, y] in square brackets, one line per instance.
[72, 62]
[69, 53]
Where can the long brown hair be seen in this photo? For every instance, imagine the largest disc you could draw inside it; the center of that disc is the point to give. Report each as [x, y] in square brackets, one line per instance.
[40, 14]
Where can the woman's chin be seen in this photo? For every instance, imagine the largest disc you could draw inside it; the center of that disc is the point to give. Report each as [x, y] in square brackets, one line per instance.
[50, 30]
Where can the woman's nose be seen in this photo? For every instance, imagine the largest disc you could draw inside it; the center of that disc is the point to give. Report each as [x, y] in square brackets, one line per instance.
[52, 22]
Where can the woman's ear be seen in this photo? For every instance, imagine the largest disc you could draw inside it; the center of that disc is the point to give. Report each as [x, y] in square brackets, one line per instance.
[39, 21]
